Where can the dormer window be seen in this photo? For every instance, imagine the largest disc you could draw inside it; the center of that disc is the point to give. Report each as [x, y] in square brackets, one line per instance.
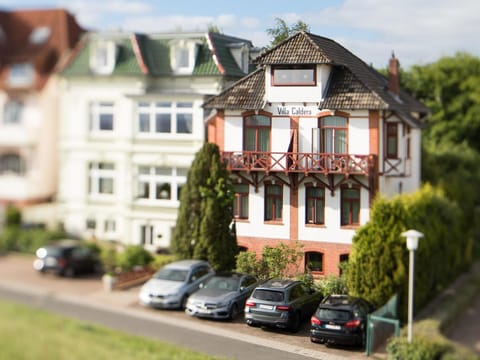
[103, 57]
[182, 56]
[21, 75]
[240, 52]
[40, 35]
[294, 75]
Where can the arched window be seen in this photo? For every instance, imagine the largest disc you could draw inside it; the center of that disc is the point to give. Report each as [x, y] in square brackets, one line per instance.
[331, 136]
[12, 163]
[314, 261]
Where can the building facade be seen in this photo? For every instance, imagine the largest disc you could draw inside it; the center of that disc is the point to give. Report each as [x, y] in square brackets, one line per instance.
[132, 121]
[33, 44]
[310, 138]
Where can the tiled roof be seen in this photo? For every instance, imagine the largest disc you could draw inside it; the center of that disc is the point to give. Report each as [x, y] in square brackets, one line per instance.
[352, 85]
[17, 47]
[247, 93]
[213, 56]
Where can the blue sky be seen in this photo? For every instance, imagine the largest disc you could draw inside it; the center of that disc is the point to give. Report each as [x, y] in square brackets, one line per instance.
[418, 31]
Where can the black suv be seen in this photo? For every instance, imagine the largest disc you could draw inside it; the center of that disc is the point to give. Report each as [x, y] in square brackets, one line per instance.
[281, 303]
[340, 319]
[67, 258]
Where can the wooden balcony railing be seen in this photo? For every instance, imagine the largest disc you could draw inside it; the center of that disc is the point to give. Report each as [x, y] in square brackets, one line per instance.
[289, 162]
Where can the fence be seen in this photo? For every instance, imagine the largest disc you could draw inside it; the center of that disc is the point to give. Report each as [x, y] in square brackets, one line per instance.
[381, 325]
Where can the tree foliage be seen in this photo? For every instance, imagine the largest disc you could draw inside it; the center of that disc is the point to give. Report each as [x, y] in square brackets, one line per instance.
[378, 265]
[203, 224]
[450, 88]
[282, 31]
[275, 262]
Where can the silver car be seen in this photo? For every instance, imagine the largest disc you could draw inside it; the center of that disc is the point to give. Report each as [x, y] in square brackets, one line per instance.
[170, 287]
[222, 297]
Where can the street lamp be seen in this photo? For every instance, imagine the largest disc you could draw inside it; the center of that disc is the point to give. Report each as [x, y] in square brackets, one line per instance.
[412, 244]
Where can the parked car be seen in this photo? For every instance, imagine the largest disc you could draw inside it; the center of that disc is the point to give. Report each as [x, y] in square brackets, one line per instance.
[170, 287]
[281, 303]
[340, 319]
[67, 258]
[223, 296]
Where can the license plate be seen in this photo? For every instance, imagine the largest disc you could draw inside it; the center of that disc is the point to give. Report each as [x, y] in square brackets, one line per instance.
[332, 327]
[50, 261]
[265, 307]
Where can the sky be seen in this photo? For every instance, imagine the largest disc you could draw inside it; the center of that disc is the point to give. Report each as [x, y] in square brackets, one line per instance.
[417, 31]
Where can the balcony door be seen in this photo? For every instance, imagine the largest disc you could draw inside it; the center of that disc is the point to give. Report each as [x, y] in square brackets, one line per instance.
[329, 138]
[257, 130]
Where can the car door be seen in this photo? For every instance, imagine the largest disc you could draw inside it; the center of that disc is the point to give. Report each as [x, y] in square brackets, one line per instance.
[247, 285]
[198, 275]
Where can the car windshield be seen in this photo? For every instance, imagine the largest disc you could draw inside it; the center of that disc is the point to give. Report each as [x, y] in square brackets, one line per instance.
[331, 314]
[268, 295]
[223, 283]
[171, 274]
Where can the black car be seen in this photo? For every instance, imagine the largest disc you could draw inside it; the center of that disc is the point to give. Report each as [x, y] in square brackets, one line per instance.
[281, 303]
[67, 258]
[340, 319]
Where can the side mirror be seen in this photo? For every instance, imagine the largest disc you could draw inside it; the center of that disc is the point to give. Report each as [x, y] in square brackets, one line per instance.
[201, 285]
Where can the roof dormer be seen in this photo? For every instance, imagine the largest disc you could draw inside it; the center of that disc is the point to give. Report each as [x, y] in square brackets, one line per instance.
[103, 56]
[241, 54]
[183, 53]
[39, 35]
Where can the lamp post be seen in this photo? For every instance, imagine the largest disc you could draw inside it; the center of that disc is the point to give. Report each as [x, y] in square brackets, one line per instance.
[412, 244]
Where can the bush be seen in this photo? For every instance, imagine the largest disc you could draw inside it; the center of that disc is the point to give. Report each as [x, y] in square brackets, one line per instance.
[276, 262]
[378, 263]
[13, 217]
[332, 284]
[14, 238]
[133, 256]
[420, 349]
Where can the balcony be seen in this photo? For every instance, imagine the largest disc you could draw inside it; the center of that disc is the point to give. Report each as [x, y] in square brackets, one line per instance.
[306, 163]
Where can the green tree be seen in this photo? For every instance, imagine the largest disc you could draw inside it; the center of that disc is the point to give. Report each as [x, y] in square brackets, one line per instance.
[378, 265]
[203, 224]
[282, 31]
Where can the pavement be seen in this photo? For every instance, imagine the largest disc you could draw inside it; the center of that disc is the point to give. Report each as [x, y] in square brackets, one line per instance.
[18, 275]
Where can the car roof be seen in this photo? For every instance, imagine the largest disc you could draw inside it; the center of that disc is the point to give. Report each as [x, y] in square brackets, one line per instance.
[186, 264]
[231, 274]
[280, 284]
[339, 301]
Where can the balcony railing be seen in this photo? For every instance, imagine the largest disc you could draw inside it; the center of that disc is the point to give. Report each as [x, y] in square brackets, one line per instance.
[288, 162]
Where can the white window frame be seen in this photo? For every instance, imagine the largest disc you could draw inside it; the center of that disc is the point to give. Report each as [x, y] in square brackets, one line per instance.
[12, 112]
[149, 110]
[97, 173]
[103, 55]
[97, 110]
[21, 75]
[154, 176]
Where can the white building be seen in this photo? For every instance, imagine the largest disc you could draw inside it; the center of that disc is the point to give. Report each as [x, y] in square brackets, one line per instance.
[310, 138]
[132, 121]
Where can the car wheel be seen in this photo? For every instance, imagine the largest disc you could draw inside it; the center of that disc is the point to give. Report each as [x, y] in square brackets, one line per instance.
[233, 312]
[296, 321]
[183, 302]
[69, 272]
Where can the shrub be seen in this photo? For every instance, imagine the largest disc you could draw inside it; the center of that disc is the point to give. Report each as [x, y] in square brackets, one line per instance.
[134, 255]
[13, 216]
[276, 262]
[420, 349]
[332, 284]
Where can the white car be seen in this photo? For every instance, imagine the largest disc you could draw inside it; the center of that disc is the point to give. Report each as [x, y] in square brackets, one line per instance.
[170, 287]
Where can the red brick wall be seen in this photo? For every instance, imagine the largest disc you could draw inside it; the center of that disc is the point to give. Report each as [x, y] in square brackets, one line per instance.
[331, 251]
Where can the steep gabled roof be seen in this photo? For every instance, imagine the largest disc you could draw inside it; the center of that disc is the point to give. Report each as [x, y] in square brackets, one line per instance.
[246, 94]
[352, 85]
[58, 30]
[150, 54]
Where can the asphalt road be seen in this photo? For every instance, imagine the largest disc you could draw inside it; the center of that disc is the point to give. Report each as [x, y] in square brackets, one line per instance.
[85, 299]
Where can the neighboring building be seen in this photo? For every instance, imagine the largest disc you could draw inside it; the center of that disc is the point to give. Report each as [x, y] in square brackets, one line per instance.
[132, 121]
[32, 45]
[311, 137]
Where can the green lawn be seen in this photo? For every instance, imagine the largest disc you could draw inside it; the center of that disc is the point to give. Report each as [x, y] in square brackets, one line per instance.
[27, 333]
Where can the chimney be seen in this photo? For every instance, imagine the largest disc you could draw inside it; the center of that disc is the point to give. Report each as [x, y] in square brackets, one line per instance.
[393, 77]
